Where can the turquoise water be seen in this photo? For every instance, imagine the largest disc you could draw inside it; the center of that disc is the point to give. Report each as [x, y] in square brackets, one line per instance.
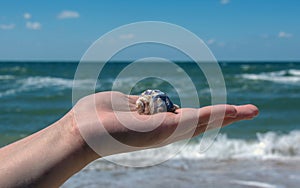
[255, 153]
[36, 94]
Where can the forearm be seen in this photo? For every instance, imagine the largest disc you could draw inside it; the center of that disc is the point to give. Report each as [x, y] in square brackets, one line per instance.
[47, 158]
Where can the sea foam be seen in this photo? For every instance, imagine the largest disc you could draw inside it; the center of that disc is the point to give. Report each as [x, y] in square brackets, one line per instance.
[38, 82]
[291, 76]
[6, 77]
[268, 145]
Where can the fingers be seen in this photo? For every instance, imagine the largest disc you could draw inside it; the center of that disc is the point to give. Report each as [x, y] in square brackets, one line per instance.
[213, 113]
[243, 112]
[189, 122]
[133, 98]
[189, 118]
[132, 102]
[247, 111]
[164, 128]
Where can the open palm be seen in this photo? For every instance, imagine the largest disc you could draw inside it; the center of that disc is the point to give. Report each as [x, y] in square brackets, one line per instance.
[113, 115]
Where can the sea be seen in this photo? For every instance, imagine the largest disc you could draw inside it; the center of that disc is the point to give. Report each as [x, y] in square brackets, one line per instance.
[263, 152]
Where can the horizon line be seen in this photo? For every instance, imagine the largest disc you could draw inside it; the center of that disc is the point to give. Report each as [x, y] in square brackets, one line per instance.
[126, 61]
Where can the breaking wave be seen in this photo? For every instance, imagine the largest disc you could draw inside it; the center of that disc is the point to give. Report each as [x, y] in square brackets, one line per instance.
[291, 76]
[6, 77]
[268, 145]
[37, 82]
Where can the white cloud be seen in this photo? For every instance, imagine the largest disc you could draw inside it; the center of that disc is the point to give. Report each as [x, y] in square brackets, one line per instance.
[67, 14]
[211, 41]
[283, 34]
[7, 26]
[224, 2]
[215, 42]
[27, 15]
[33, 25]
[126, 36]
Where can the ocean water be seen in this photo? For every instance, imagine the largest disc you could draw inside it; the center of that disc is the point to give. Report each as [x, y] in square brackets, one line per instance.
[263, 152]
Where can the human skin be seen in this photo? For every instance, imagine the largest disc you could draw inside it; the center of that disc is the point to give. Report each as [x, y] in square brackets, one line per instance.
[49, 157]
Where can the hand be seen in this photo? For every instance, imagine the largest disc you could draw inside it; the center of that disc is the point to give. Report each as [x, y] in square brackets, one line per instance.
[107, 119]
[102, 121]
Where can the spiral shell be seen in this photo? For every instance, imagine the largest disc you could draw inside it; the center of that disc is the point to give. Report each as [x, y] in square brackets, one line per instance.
[154, 101]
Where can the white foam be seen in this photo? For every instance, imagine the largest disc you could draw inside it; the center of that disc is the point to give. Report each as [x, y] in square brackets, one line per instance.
[37, 82]
[245, 67]
[41, 82]
[14, 69]
[254, 184]
[44, 82]
[6, 77]
[291, 76]
[294, 72]
[266, 146]
[8, 92]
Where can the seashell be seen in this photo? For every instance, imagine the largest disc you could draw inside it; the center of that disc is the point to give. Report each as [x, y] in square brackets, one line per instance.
[154, 101]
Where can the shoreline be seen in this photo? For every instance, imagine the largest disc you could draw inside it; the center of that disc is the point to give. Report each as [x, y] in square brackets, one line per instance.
[271, 173]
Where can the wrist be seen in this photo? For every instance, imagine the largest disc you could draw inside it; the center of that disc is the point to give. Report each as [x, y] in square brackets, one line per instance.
[75, 140]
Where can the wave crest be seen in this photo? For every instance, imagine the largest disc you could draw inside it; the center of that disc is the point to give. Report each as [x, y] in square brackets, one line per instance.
[268, 145]
[291, 76]
[6, 77]
[37, 82]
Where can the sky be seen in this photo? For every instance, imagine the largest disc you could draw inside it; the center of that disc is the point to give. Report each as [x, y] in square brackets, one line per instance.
[247, 30]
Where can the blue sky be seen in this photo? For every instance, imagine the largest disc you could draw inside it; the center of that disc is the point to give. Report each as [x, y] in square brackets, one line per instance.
[233, 29]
